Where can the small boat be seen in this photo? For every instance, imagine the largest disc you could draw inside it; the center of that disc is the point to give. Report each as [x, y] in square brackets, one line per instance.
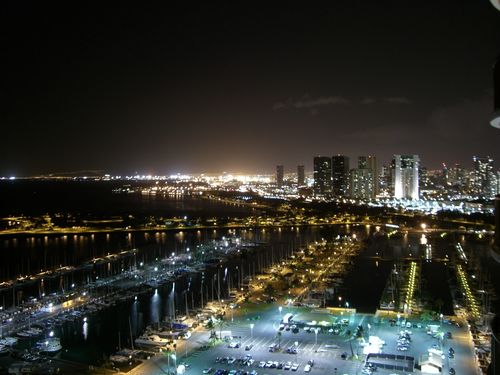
[4, 350]
[9, 341]
[50, 345]
[151, 341]
[119, 359]
[23, 368]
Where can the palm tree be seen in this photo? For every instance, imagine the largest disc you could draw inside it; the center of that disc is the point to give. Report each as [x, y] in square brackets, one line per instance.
[221, 323]
[210, 325]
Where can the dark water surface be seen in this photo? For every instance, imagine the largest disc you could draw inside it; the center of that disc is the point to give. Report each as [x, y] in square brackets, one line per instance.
[95, 339]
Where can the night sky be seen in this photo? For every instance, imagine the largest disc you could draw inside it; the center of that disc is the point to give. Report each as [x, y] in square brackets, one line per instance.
[230, 88]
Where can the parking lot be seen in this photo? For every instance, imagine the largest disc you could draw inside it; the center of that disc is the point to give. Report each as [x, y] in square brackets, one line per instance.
[324, 340]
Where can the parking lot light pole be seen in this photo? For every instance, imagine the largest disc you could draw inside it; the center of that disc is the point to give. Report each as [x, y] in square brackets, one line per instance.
[251, 330]
[174, 357]
[316, 330]
[280, 309]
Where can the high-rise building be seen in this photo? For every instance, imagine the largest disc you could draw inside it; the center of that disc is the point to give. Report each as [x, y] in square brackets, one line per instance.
[340, 175]
[322, 175]
[370, 162]
[280, 174]
[456, 176]
[301, 175]
[445, 174]
[405, 176]
[361, 184]
[424, 178]
[385, 181]
[497, 222]
[498, 182]
[484, 178]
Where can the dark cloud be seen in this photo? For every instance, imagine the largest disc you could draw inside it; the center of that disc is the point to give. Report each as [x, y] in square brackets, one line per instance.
[307, 102]
[398, 100]
[368, 100]
[322, 101]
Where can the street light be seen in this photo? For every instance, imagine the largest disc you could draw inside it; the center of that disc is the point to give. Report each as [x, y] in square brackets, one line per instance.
[174, 357]
[232, 318]
[280, 309]
[251, 330]
[316, 330]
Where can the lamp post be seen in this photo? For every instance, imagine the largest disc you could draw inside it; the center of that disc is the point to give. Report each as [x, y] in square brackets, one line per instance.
[232, 317]
[174, 357]
[280, 308]
[316, 330]
[251, 330]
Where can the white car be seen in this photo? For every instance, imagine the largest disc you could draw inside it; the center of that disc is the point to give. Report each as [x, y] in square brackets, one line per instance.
[307, 368]
[295, 367]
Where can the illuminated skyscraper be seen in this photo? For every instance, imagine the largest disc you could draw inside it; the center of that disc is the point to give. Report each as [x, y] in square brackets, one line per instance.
[405, 176]
[497, 223]
[280, 173]
[385, 181]
[301, 175]
[370, 162]
[361, 184]
[322, 175]
[456, 176]
[340, 175]
[484, 178]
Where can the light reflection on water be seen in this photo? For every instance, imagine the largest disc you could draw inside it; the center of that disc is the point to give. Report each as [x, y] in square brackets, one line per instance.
[101, 330]
[85, 330]
[155, 307]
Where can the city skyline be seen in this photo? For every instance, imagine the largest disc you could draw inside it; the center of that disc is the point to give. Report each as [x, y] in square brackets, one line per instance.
[206, 89]
[269, 169]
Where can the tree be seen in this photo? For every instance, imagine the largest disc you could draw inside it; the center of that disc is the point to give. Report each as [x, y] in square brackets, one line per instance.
[221, 323]
[211, 326]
